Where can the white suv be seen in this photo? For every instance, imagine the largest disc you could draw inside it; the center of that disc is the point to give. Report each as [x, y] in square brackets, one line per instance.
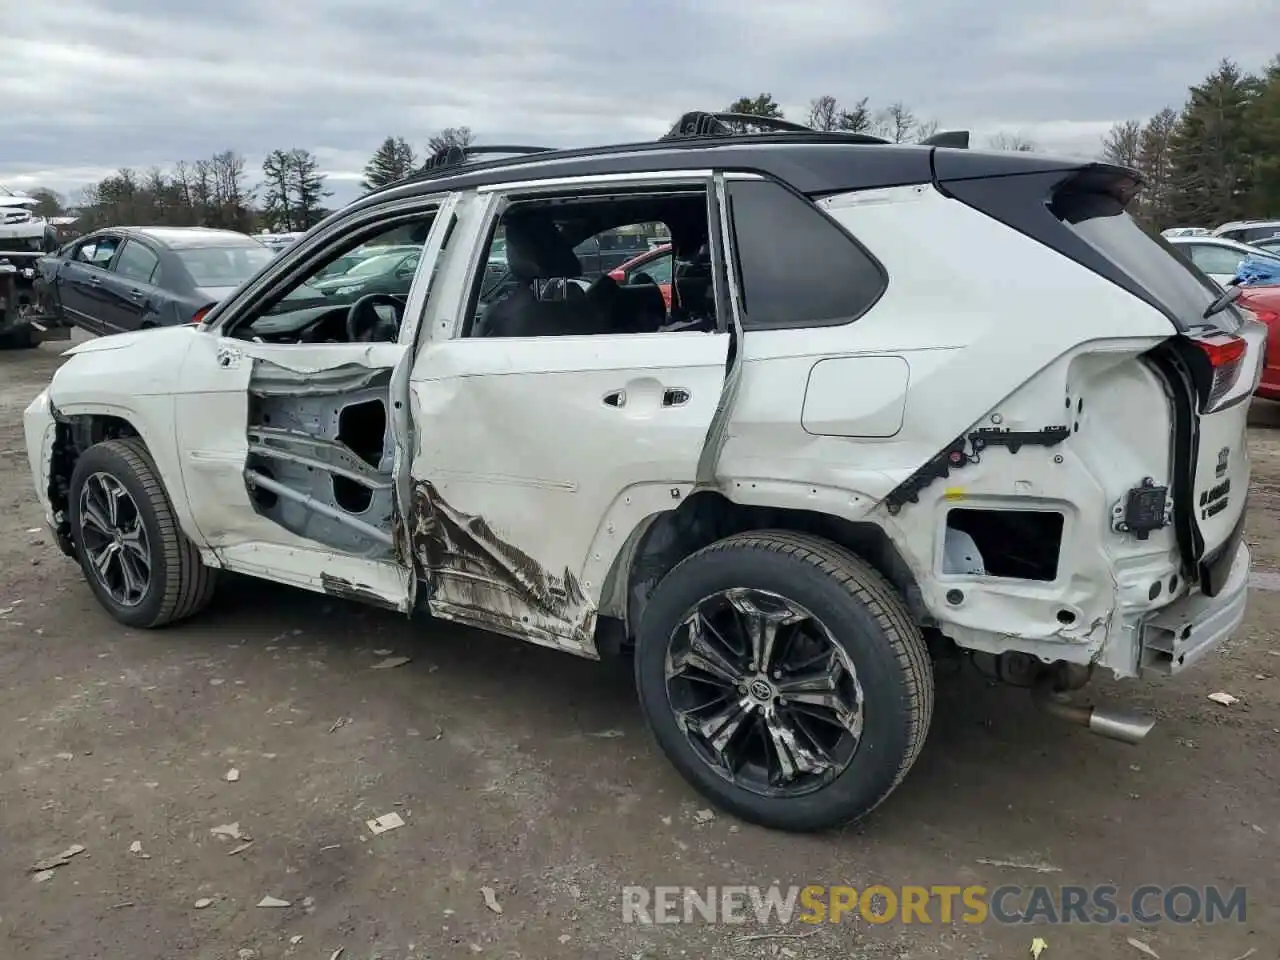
[842, 449]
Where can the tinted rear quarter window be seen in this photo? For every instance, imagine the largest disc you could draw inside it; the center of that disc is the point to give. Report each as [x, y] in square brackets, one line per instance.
[1149, 260]
[798, 268]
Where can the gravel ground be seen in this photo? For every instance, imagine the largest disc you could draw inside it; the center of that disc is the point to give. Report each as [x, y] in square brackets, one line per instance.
[530, 773]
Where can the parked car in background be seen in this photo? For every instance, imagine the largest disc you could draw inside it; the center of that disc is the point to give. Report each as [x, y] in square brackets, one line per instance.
[1270, 245]
[605, 251]
[130, 278]
[656, 266]
[1264, 303]
[381, 270]
[24, 239]
[1185, 232]
[1219, 257]
[278, 242]
[1247, 231]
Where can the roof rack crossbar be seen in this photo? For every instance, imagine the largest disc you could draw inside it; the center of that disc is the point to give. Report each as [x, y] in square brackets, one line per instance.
[702, 123]
[452, 155]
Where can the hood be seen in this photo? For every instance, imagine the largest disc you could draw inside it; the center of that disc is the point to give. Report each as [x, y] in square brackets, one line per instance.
[119, 341]
[330, 284]
[215, 294]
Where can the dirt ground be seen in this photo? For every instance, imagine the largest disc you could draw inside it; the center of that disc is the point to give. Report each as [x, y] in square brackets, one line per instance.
[530, 772]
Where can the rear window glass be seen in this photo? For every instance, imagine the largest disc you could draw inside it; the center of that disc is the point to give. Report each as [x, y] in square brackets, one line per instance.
[223, 266]
[1151, 261]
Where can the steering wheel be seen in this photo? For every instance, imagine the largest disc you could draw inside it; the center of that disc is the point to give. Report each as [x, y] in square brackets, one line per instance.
[366, 325]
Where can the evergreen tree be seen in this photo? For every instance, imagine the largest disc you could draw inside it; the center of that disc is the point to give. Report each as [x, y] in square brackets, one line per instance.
[392, 161]
[761, 105]
[1264, 122]
[277, 193]
[1211, 150]
[309, 191]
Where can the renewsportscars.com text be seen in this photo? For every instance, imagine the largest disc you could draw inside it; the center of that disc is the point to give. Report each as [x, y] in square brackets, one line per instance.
[936, 904]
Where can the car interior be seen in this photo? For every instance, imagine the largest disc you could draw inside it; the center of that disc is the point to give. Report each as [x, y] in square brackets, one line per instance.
[535, 287]
[307, 314]
[545, 291]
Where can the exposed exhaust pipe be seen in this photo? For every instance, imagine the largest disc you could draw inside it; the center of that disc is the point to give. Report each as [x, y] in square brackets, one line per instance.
[1112, 724]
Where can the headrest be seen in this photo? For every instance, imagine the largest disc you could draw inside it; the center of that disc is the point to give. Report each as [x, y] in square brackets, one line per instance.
[536, 249]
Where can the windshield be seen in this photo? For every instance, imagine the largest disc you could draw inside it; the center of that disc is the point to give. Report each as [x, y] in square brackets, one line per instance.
[382, 263]
[223, 266]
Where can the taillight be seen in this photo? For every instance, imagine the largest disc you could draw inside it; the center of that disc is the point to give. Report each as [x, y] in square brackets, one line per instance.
[1225, 354]
[199, 315]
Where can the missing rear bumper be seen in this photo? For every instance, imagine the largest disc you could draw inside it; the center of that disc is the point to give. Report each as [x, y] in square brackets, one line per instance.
[1183, 632]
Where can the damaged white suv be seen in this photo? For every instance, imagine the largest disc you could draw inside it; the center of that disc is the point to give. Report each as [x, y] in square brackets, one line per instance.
[831, 448]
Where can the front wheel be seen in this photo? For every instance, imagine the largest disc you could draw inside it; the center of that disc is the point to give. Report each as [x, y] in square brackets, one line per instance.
[785, 680]
[22, 338]
[138, 562]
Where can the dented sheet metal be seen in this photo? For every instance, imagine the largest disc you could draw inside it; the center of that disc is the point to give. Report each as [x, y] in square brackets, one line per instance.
[361, 593]
[271, 378]
[478, 578]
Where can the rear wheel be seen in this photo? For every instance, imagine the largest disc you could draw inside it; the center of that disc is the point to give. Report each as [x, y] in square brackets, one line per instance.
[785, 680]
[137, 560]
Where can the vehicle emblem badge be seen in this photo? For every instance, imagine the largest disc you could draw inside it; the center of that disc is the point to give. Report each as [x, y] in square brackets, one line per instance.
[1224, 455]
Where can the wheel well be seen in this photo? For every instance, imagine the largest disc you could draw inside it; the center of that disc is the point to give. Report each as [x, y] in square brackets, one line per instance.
[74, 435]
[709, 516]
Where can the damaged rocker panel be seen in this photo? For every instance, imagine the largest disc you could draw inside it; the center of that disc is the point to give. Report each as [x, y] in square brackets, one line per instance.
[478, 578]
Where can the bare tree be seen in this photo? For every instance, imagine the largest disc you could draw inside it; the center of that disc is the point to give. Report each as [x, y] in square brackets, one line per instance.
[896, 122]
[1155, 160]
[1122, 144]
[824, 113]
[1011, 141]
[926, 129]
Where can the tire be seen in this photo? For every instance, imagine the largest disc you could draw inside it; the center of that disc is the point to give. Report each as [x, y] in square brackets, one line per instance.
[23, 338]
[858, 611]
[179, 584]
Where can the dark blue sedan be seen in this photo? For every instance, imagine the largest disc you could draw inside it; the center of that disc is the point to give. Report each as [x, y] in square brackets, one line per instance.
[130, 278]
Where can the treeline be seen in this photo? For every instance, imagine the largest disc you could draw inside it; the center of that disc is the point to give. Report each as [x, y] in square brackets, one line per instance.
[895, 122]
[1214, 160]
[221, 191]
[217, 192]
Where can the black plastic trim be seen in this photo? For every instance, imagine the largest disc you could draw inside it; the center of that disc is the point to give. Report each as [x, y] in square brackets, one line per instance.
[1215, 567]
[1171, 368]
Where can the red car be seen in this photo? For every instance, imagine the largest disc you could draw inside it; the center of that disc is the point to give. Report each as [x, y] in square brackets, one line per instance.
[657, 264]
[1264, 302]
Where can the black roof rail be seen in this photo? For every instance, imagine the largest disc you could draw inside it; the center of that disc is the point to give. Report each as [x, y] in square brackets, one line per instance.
[454, 155]
[958, 139]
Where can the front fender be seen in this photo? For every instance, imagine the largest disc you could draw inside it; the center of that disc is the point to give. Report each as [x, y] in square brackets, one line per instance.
[131, 377]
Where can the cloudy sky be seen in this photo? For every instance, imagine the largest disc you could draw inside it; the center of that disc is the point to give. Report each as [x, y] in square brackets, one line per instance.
[88, 86]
